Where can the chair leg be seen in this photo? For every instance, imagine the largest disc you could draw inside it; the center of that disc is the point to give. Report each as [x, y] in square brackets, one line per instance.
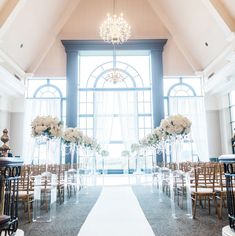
[194, 206]
[209, 205]
[215, 204]
[29, 212]
[220, 207]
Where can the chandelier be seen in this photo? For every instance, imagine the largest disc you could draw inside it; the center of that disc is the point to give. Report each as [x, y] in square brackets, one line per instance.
[115, 29]
[114, 76]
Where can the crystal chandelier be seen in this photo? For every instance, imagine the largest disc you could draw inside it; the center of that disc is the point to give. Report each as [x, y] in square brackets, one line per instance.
[115, 29]
[114, 76]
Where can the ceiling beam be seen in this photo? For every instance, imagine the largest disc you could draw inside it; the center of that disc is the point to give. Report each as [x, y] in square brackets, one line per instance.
[10, 19]
[224, 13]
[212, 9]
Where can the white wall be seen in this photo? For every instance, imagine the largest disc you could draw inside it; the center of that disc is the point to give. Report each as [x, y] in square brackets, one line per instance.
[213, 133]
[11, 117]
[225, 126]
[5, 118]
[218, 124]
[16, 124]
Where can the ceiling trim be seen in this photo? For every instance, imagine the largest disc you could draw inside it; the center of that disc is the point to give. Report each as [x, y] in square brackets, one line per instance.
[11, 65]
[222, 57]
[10, 19]
[218, 18]
[10, 85]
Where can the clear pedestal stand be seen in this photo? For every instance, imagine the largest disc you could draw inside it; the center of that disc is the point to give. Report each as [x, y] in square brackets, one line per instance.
[44, 205]
[127, 165]
[181, 203]
[72, 179]
[84, 171]
[138, 170]
[104, 171]
[45, 187]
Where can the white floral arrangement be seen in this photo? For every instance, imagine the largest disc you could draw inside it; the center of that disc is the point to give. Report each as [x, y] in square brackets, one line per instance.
[46, 126]
[153, 139]
[159, 134]
[144, 142]
[135, 147]
[104, 153]
[90, 143]
[72, 135]
[125, 153]
[176, 125]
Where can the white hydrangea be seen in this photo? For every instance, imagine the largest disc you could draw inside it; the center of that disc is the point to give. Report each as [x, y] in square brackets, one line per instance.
[72, 135]
[104, 153]
[46, 126]
[90, 143]
[176, 125]
[125, 153]
[135, 147]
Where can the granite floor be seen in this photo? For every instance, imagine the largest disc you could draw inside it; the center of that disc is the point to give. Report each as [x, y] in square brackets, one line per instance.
[70, 217]
[159, 215]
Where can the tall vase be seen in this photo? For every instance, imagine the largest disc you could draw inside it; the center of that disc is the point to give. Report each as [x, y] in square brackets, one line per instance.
[72, 154]
[47, 156]
[138, 164]
[72, 181]
[45, 186]
[43, 153]
[164, 154]
[176, 150]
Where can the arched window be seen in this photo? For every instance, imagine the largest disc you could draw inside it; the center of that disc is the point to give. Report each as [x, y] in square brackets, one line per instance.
[180, 87]
[45, 96]
[48, 91]
[115, 104]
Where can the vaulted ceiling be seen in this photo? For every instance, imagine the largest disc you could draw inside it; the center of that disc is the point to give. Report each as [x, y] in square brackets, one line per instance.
[202, 31]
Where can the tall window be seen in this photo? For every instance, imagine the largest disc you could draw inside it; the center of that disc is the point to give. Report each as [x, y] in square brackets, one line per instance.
[45, 96]
[183, 95]
[117, 114]
[181, 87]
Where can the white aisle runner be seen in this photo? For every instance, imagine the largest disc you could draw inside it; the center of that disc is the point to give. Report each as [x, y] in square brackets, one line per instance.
[116, 213]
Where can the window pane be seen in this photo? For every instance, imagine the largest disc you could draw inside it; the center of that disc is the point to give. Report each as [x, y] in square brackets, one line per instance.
[141, 122]
[141, 133]
[148, 122]
[140, 107]
[147, 108]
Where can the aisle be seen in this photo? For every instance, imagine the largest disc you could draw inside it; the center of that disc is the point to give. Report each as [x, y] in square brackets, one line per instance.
[117, 212]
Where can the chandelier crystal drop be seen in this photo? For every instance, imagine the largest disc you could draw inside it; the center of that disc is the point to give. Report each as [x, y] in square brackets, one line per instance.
[114, 76]
[115, 29]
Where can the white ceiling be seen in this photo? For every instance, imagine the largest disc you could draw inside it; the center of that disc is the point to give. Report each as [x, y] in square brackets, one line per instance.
[200, 30]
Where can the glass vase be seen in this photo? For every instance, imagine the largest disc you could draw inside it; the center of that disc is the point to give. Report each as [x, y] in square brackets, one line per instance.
[45, 186]
[176, 148]
[71, 182]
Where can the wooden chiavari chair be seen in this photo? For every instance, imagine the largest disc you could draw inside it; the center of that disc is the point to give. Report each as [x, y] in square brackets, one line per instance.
[26, 191]
[203, 184]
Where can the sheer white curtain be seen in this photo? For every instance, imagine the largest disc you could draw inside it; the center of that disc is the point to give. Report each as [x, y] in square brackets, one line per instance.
[127, 104]
[194, 109]
[124, 105]
[33, 108]
[104, 103]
